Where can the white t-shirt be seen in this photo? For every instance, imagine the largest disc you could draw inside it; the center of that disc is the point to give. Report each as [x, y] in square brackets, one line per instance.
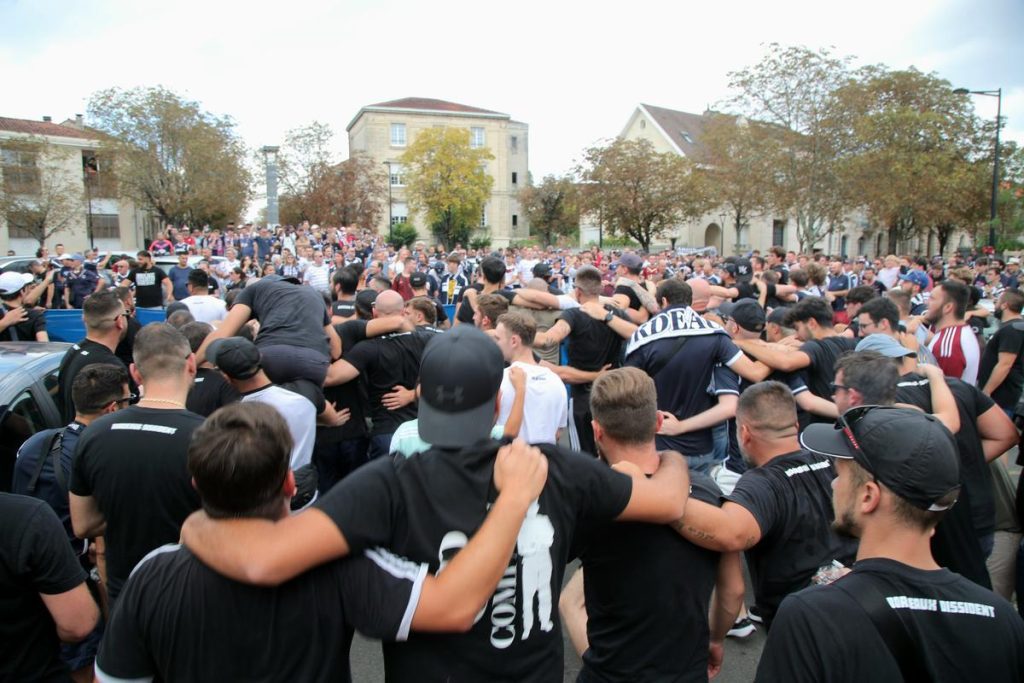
[206, 309]
[298, 412]
[526, 270]
[546, 409]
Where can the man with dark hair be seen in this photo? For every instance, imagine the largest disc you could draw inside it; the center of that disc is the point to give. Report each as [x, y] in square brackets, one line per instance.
[418, 282]
[210, 390]
[200, 622]
[656, 628]
[492, 281]
[178, 275]
[344, 284]
[153, 289]
[780, 511]
[855, 298]
[680, 350]
[489, 307]
[453, 282]
[425, 507]
[1000, 374]
[106, 323]
[128, 482]
[204, 307]
[811, 317]
[19, 322]
[954, 345]
[897, 615]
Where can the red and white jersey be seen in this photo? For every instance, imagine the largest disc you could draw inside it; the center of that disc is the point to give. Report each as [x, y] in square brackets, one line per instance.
[956, 348]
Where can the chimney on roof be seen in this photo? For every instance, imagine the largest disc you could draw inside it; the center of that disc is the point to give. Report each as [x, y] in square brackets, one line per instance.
[47, 119]
[79, 120]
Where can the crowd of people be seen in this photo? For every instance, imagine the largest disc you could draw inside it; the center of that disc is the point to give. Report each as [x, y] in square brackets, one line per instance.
[332, 433]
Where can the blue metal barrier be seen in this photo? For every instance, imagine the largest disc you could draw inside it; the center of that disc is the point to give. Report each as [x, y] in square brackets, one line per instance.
[67, 325]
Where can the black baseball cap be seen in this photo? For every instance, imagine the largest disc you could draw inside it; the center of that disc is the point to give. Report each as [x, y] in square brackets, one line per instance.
[740, 269]
[460, 374]
[365, 300]
[747, 313]
[910, 452]
[236, 357]
[418, 280]
[542, 270]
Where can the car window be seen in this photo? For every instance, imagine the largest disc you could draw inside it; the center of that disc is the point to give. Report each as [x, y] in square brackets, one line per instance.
[22, 418]
[52, 383]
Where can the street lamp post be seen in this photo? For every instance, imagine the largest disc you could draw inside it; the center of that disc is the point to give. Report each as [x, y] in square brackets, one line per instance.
[270, 165]
[391, 206]
[998, 94]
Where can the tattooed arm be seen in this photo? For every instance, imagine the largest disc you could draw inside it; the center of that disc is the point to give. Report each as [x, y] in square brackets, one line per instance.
[726, 529]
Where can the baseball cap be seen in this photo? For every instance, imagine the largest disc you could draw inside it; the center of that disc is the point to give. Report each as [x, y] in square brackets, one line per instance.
[885, 345]
[541, 270]
[77, 256]
[238, 358]
[917, 277]
[460, 374]
[176, 306]
[1014, 261]
[630, 261]
[365, 300]
[67, 257]
[747, 313]
[12, 283]
[908, 451]
[778, 316]
[740, 269]
[418, 280]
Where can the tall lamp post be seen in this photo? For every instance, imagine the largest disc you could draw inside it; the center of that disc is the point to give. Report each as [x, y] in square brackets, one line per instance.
[998, 94]
[391, 206]
[270, 163]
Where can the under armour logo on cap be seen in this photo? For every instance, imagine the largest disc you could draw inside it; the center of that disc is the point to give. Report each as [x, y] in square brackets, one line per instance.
[446, 396]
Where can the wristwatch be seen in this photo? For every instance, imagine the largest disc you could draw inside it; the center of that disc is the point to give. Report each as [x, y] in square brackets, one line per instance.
[608, 316]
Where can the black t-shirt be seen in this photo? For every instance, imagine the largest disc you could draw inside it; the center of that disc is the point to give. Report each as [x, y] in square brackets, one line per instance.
[1008, 339]
[627, 291]
[80, 355]
[793, 380]
[179, 620]
[426, 507]
[790, 497]
[344, 309]
[289, 314]
[962, 632]
[654, 628]
[34, 558]
[210, 391]
[465, 312]
[386, 362]
[24, 331]
[134, 463]
[823, 354]
[685, 383]
[351, 395]
[127, 345]
[149, 291]
[591, 346]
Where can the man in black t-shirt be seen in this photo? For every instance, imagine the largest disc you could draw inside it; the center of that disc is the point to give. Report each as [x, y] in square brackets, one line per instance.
[343, 286]
[153, 289]
[210, 390]
[780, 511]
[106, 324]
[426, 506]
[627, 294]
[822, 346]
[199, 624]
[896, 477]
[43, 596]
[1001, 371]
[655, 628]
[18, 322]
[129, 482]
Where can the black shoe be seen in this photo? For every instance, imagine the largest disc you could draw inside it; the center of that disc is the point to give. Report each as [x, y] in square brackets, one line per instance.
[755, 614]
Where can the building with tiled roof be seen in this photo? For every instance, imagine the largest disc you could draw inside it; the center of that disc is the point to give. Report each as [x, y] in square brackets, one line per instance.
[71, 152]
[382, 131]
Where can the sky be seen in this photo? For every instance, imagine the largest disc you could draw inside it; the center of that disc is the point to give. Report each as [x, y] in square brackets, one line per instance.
[574, 71]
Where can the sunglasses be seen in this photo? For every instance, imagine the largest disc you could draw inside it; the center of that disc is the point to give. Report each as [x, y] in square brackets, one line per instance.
[124, 402]
[845, 424]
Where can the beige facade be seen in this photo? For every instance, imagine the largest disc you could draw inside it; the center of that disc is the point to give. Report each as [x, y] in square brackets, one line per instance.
[115, 222]
[671, 131]
[384, 131]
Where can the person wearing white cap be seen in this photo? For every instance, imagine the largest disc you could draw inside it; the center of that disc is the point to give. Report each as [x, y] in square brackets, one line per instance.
[17, 322]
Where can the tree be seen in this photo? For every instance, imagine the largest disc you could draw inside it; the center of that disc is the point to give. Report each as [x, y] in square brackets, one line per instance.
[1010, 198]
[41, 193]
[551, 208]
[353, 192]
[184, 164]
[738, 156]
[792, 88]
[915, 159]
[447, 181]
[640, 193]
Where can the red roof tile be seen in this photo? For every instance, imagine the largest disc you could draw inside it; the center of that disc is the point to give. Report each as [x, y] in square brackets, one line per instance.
[434, 105]
[30, 127]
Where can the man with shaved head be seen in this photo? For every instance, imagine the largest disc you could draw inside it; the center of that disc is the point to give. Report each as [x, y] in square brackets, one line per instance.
[385, 363]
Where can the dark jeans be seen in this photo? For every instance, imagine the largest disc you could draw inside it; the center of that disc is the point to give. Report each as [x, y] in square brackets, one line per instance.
[1020, 579]
[380, 445]
[284, 363]
[335, 461]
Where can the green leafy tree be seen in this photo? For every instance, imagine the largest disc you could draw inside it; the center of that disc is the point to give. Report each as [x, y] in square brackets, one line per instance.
[403, 235]
[41, 193]
[640, 193]
[1010, 197]
[446, 180]
[552, 208]
[793, 89]
[171, 157]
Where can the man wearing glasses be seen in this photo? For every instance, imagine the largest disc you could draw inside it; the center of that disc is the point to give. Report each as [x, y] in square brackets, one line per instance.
[897, 615]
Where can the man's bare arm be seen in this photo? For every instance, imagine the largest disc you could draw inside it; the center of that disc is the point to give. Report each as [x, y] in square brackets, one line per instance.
[816, 405]
[726, 602]
[228, 327]
[729, 528]
[86, 519]
[723, 410]
[661, 498]
[997, 433]
[74, 612]
[559, 331]
[943, 404]
[1000, 372]
[775, 356]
